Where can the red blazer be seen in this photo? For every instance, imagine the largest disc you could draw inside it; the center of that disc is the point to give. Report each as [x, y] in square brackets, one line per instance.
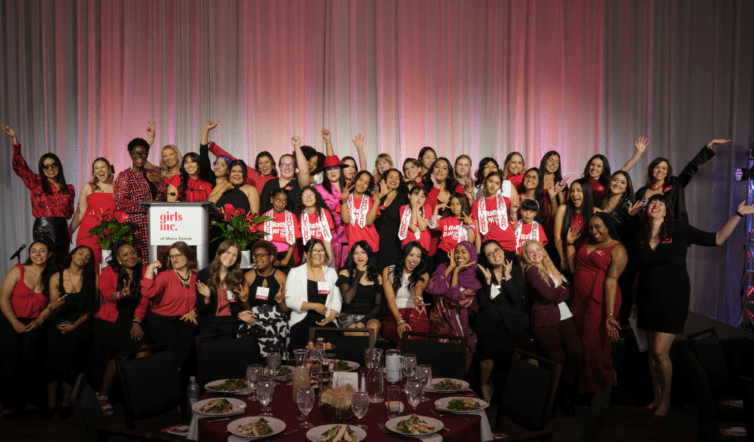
[545, 298]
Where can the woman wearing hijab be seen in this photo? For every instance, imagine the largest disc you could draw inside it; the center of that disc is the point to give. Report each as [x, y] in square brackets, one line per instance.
[454, 286]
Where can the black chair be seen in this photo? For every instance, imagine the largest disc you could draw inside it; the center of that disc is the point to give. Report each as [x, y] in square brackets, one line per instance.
[709, 425]
[347, 348]
[221, 358]
[436, 354]
[528, 397]
[595, 419]
[151, 385]
[93, 423]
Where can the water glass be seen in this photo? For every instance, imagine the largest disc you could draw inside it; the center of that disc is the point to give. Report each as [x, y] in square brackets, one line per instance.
[305, 401]
[274, 361]
[360, 406]
[393, 397]
[253, 373]
[414, 392]
[373, 357]
[265, 389]
[409, 365]
[424, 373]
[393, 365]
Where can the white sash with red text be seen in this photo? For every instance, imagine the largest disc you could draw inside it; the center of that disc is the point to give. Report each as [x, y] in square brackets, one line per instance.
[534, 234]
[405, 221]
[501, 211]
[308, 229]
[359, 216]
[289, 226]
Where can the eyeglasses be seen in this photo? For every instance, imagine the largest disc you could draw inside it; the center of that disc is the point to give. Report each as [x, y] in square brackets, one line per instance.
[317, 252]
[176, 257]
[494, 252]
[531, 177]
[138, 154]
[307, 196]
[49, 166]
[260, 255]
[287, 165]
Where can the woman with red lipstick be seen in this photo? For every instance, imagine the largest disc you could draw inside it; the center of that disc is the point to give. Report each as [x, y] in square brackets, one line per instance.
[663, 290]
[573, 213]
[440, 185]
[133, 186]
[660, 180]
[597, 265]
[404, 294]
[360, 286]
[597, 170]
[190, 185]
[217, 290]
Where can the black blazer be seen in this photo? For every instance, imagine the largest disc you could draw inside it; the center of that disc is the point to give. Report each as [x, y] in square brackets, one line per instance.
[507, 306]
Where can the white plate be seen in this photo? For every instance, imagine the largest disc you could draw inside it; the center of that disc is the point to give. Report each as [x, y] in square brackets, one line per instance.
[353, 365]
[238, 407]
[277, 426]
[442, 404]
[316, 432]
[392, 424]
[267, 372]
[246, 390]
[431, 389]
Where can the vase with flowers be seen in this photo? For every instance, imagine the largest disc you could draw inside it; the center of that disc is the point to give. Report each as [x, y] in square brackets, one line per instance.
[241, 228]
[113, 227]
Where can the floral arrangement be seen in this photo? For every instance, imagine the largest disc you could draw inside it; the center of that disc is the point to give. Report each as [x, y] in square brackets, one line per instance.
[236, 225]
[112, 228]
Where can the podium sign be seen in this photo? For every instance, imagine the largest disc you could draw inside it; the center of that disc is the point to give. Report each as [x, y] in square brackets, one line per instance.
[187, 222]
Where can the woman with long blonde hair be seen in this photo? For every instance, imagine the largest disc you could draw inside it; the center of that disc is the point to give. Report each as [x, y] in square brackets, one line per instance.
[170, 161]
[382, 164]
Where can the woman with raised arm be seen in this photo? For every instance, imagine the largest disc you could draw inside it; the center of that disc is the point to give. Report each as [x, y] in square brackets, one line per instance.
[315, 219]
[404, 284]
[262, 305]
[462, 169]
[513, 170]
[496, 212]
[331, 188]
[172, 318]
[597, 170]
[312, 294]
[190, 185]
[663, 290]
[392, 196]
[501, 321]
[308, 160]
[573, 213]
[351, 167]
[360, 285]
[358, 210]
[51, 198]
[217, 290]
[96, 199]
[454, 223]
[119, 322]
[597, 264]
[221, 166]
[660, 180]
[134, 185]
[24, 299]
[254, 177]
[71, 331]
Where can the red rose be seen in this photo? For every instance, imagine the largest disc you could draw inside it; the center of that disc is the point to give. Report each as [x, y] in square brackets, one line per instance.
[121, 216]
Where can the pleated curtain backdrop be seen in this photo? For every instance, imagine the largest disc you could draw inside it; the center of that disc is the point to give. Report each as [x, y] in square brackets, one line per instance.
[81, 78]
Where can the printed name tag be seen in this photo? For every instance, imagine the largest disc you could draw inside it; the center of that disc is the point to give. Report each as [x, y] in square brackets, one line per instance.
[288, 187]
[666, 189]
[323, 288]
[230, 295]
[494, 291]
[263, 293]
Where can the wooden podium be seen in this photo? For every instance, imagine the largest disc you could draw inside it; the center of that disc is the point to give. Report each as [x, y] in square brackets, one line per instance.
[187, 222]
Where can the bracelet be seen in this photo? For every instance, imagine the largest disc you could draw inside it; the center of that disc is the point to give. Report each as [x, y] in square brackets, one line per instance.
[341, 202]
[570, 244]
[137, 321]
[609, 314]
[401, 322]
[739, 214]
[508, 277]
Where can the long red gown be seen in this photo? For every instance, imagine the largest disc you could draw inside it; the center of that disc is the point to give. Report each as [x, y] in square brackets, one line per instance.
[590, 316]
[97, 203]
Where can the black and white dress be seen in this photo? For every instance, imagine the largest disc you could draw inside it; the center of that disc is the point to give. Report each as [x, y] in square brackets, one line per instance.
[271, 325]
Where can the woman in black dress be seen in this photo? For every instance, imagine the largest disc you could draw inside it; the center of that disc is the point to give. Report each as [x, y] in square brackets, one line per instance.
[234, 192]
[393, 195]
[71, 329]
[361, 287]
[662, 294]
[217, 289]
[262, 303]
[501, 321]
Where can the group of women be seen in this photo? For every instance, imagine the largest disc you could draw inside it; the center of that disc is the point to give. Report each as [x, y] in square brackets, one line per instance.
[495, 256]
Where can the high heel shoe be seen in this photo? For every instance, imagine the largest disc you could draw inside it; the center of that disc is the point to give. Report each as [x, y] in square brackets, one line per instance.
[646, 410]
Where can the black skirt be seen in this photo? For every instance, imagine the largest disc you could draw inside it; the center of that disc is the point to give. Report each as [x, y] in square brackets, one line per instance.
[53, 231]
[116, 336]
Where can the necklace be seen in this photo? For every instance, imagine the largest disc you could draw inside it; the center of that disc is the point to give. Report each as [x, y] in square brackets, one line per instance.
[184, 281]
[658, 187]
[77, 286]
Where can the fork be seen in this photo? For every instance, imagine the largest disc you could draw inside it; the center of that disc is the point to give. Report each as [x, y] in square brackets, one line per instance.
[384, 429]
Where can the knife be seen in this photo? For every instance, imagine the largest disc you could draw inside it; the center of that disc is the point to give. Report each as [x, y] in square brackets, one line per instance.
[448, 415]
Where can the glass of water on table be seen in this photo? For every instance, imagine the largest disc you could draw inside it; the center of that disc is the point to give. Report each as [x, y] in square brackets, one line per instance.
[265, 389]
[424, 373]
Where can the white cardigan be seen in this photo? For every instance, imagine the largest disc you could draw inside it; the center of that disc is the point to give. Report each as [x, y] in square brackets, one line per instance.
[296, 292]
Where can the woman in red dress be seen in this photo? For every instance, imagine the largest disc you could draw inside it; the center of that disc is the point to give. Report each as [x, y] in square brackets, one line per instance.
[191, 184]
[96, 200]
[598, 264]
[572, 214]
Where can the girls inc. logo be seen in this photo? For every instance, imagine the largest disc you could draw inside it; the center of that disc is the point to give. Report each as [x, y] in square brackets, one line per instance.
[167, 221]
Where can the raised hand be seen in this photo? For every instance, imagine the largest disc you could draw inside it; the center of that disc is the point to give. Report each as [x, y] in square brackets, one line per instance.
[202, 289]
[573, 234]
[56, 304]
[151, 131]
[467, 219]
[243, 294]
[452, 258]
[280, 296]
[346, 193]
[635, 208]
[326, 135]
[744, 209]
[358, 141]
[211, 125]
[487, 274]
[153, 266]
[383, 189]
[8, 131]
[464, 266]
[296, 141]
[641, 144]
[507, 267]
[716, 142]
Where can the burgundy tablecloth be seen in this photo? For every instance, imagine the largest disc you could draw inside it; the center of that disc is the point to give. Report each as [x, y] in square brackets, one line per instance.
[284, 409]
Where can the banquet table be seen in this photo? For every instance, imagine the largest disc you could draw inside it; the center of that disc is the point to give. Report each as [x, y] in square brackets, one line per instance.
[476, 428]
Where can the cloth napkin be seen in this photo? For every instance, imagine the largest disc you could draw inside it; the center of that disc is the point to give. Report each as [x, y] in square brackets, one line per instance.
[486, 430]
[193, 433]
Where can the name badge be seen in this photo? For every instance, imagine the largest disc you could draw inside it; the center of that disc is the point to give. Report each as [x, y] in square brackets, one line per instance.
[288, 187]
[323, 288]
[494, 291]
[231, 296]
[666, 189]
[263, 293]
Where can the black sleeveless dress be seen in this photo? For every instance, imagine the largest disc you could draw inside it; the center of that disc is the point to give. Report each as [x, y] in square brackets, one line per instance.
[300, 330]
[65, 352]
[271, 325]
[236, 198]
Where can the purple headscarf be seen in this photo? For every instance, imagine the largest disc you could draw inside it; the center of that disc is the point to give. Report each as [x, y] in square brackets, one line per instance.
[466, 278]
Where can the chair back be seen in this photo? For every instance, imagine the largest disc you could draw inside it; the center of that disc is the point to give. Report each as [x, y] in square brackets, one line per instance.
[87, 408]
[709, 353]
[447, 359]
[347, 348]
[225, 356]
[529, 391]
[704, 401]
[151, 385]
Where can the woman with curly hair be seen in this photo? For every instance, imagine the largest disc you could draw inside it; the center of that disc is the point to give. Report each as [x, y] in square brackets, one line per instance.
[217, 289]
[316, 221]
[190, 185]
[361, 287]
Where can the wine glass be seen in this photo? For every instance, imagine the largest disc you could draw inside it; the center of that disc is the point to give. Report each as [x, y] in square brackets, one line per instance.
[274, 361]
[414, 392]
[253, 373]
[314, 364]
[409, 365]
[360, 406]
[424, 373]
[305, 401]
[265, 388]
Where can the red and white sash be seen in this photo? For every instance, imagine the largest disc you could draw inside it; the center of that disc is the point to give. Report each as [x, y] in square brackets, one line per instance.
[289, 226]
[534, 234]
[308, 229]
[405, 221]
[359, 216]
[501, 211]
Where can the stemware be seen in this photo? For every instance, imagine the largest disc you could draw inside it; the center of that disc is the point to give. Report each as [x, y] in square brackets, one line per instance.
[424, 373]
[265, 388]
[360, 406]
[253, 373]
[305, 401]
[414, 392]
[409, 366]
[274, 361]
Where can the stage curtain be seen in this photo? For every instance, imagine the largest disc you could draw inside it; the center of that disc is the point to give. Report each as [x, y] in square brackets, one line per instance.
[82, 77]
